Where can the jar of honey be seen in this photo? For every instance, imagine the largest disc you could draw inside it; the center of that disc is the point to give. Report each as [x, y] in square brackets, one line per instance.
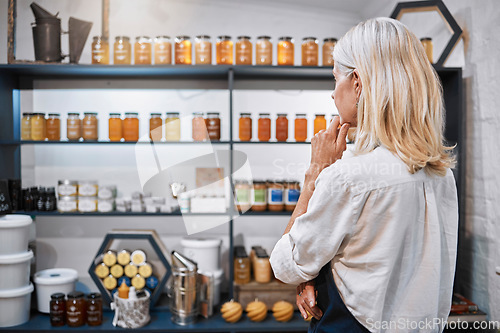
[286, 55]
[90, 126]
[203, 50]
[275, 202]
[76, 309]
[54, 127]
[245, 127]
[38, 127]
[155, 127]
[57, 309]
[183, 50]
[213, 126]
[263, 51]
[264, 127]
[131, 126]
[26, 126]
[242, 191]
[427, 43]
[143, 51]
[73, 126]
[262, 266]
[94, 309]
[328, 46]
[122, 51]
[115, 125]
[199, 127]
[281, 127]
[163, 50]
[172, 127]
[259, 196]
[241, 265]
[243, 51]
[300, 127]
[319, 123]
[224, 50]
[100, 51]
[310, 53]
[292, 193]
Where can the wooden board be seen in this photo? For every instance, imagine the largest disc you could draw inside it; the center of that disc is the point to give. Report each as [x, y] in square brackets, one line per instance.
[269, 293]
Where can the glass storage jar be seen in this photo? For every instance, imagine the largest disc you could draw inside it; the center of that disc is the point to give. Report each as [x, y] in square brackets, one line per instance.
[263, 51]
[275, 202]
[328, 46]
[94, 309]
[281, 127]
[183, 50]
[155, 127]
[122, 51]
[203, 50]
[310, 53]
[90, 126]
[100, 51]
[286, 53]
[245, 127]
[262, 266]
[242, 190]
[142, 50]
[172, 127]
[38, 127]
[199, 127]
[224, 50]
[163, 50]
[243, 51]
[264, 127]
[319, 123]
[259, 196]
[57, 309]
[115, 125]
[292, 193]
[427, 43]
[54, 127]
[131, 126]
[26, 126]
[241, 266]
[73, 126]
[213, 126]
[300, 127]
[75, 309]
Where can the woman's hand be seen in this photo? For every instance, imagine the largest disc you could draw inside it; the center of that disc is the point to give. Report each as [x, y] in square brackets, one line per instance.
[306, 300]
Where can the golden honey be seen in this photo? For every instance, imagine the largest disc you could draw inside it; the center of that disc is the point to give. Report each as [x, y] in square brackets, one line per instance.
[286, 54]
[203, 50]
[310, 51]
[100, 51]
[328, 46]
[243, 51]
[224, 50]
[163, 50]
[183, 49]
[122, 51]
[143, 51]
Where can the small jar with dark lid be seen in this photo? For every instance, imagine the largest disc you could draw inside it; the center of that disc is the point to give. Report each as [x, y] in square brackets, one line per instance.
[213, 126]
[75, 309]
[57, 309]
[94, 309]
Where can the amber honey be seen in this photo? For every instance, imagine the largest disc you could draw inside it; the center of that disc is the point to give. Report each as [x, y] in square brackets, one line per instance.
[328, 46]
[319, 123]
[143, 51]
[224, 50]
[243, 51]
[131, 126]
[122, 51]
[183, 49]
[245, 127]
[155, 127]
[38, 127]
[163, 50]
[203, 50]
[310, 51]
[90, 126]
[53, 125]
[281, 127]
[263, 51]
[100, 51]
[300, 127]
[115, 125]
[264, 127]
[286, 51]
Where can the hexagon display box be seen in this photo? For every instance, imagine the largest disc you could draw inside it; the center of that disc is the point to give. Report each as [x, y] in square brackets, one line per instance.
[148, 241]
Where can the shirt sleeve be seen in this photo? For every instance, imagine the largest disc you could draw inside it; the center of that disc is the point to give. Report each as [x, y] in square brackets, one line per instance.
[316, 236]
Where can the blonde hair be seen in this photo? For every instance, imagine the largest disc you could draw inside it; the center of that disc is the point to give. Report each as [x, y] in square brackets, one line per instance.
[401, 103]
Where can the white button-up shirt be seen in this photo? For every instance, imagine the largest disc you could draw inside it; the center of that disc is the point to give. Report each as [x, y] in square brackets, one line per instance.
[391, 238]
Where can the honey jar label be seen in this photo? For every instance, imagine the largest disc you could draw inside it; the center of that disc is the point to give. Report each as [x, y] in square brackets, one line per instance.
[259, 197]
[275, 196]
[291, 197]
[67, 190]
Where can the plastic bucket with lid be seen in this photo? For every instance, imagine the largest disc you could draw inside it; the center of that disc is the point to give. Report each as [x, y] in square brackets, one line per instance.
[15, 306]
[15, 270]
[14, 233]
[205, 251]
[54, 280]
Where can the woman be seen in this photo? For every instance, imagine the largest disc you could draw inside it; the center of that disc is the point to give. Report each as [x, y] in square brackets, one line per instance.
[376, 233]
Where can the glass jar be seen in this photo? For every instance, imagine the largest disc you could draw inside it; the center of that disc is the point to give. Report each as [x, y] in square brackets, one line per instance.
[131, 126]
[300, 127]
[155, 127]
[328, 46]
[281, 127]
[172, 127]
[275, 202]
[122, 51]
[199, 127]
[241, 266]
[292, 193]
[213, 126]
[54, 127]
[183, 50]
[75, 309]
[286, 53]
[242, 191]
[263, 51]
[142, 50]
[57, 309]
[259, 196]
[264, 127]
[38, 126]
[203, 50]
[319, 123]
[94, 309]
[90, 126]
[163, 50]
[26, 126]
[262, 266]
[224, 50]
[245, 127]
[310, 52]
[100, 51]
[73, 126]
[243, 51]
[427, 43]
[115, 125]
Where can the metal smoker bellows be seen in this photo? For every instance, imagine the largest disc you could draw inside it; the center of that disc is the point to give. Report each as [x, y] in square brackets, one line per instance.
[185, 289]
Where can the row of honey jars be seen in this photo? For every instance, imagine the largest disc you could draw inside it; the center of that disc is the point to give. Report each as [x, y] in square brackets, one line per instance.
[162, 51]
[270, 195]
[76, 310]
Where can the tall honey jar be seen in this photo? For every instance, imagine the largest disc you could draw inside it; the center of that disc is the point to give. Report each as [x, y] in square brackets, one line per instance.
[310, 53]
[122, 51]
[300, 127]
[243, 51]
[115, 125]
[143, 51]
[241, 265]
[76, 309]
[275, 191]
[94, 309]
[319, 123]
[90, 126]
[427, 43]
[26, 126]
[183, 50]
[224, 50]
[264, 127]
[100, 51]
[199, 127]
[213, 126]
[131, 126]
[203, 50]
[73, 126]
[259, 196]
[53, 127]
[281, 127]
[245, 127]
[172, 127]
[163, 50]
[286, 54]
[263, 51]
[328, 46]
[38, 127]
[155, 127]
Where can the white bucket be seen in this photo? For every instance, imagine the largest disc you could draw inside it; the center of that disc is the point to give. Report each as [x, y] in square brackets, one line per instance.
[14, 234]
[218, 277]
[15, 270]
[205, 251]
[15, 306]
[50, 281]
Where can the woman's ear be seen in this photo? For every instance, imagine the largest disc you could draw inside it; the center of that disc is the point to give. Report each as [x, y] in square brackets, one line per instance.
[356, 83]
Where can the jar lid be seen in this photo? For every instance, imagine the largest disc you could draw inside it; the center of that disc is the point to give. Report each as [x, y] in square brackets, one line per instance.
[94, 296]
[115, 114]
[10, 293]
[27, 113]
[156, 114]
[99, 38]
[309, 38]
[142, 37]
[330, 39]
[243, 37]
[90, 113]
[14, 221]
[282, 114]
[264, 37]
[122, 37]
[224, 37]
[300, 115]
[172, 113]
[245, 114]
[425, 39]
[285, 38]
[57, 296]
[198, 113]
[203, 37]
[264, 114]
[213, 113]
[182, 37]
[259, 182]
[39, 114]
[75, 294]
[320, 115]
[73, 114]
[16, 258]
[131, 113]
[54, 114]
[55, 276]
[162, 37]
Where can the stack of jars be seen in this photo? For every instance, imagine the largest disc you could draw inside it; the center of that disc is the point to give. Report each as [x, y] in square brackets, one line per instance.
[269, 195]
[257, 264]
[206, 128]
[77, 196]
[76, 310]
[38, 127]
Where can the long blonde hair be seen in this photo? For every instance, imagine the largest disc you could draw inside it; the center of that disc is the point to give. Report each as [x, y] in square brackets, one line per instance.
[401, 103]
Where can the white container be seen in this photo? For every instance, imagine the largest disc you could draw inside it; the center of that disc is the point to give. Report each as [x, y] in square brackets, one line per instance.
[218, 277]
[14, 234]
[50, 281]
[15, 306]
[15, 270]
[205, 251]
